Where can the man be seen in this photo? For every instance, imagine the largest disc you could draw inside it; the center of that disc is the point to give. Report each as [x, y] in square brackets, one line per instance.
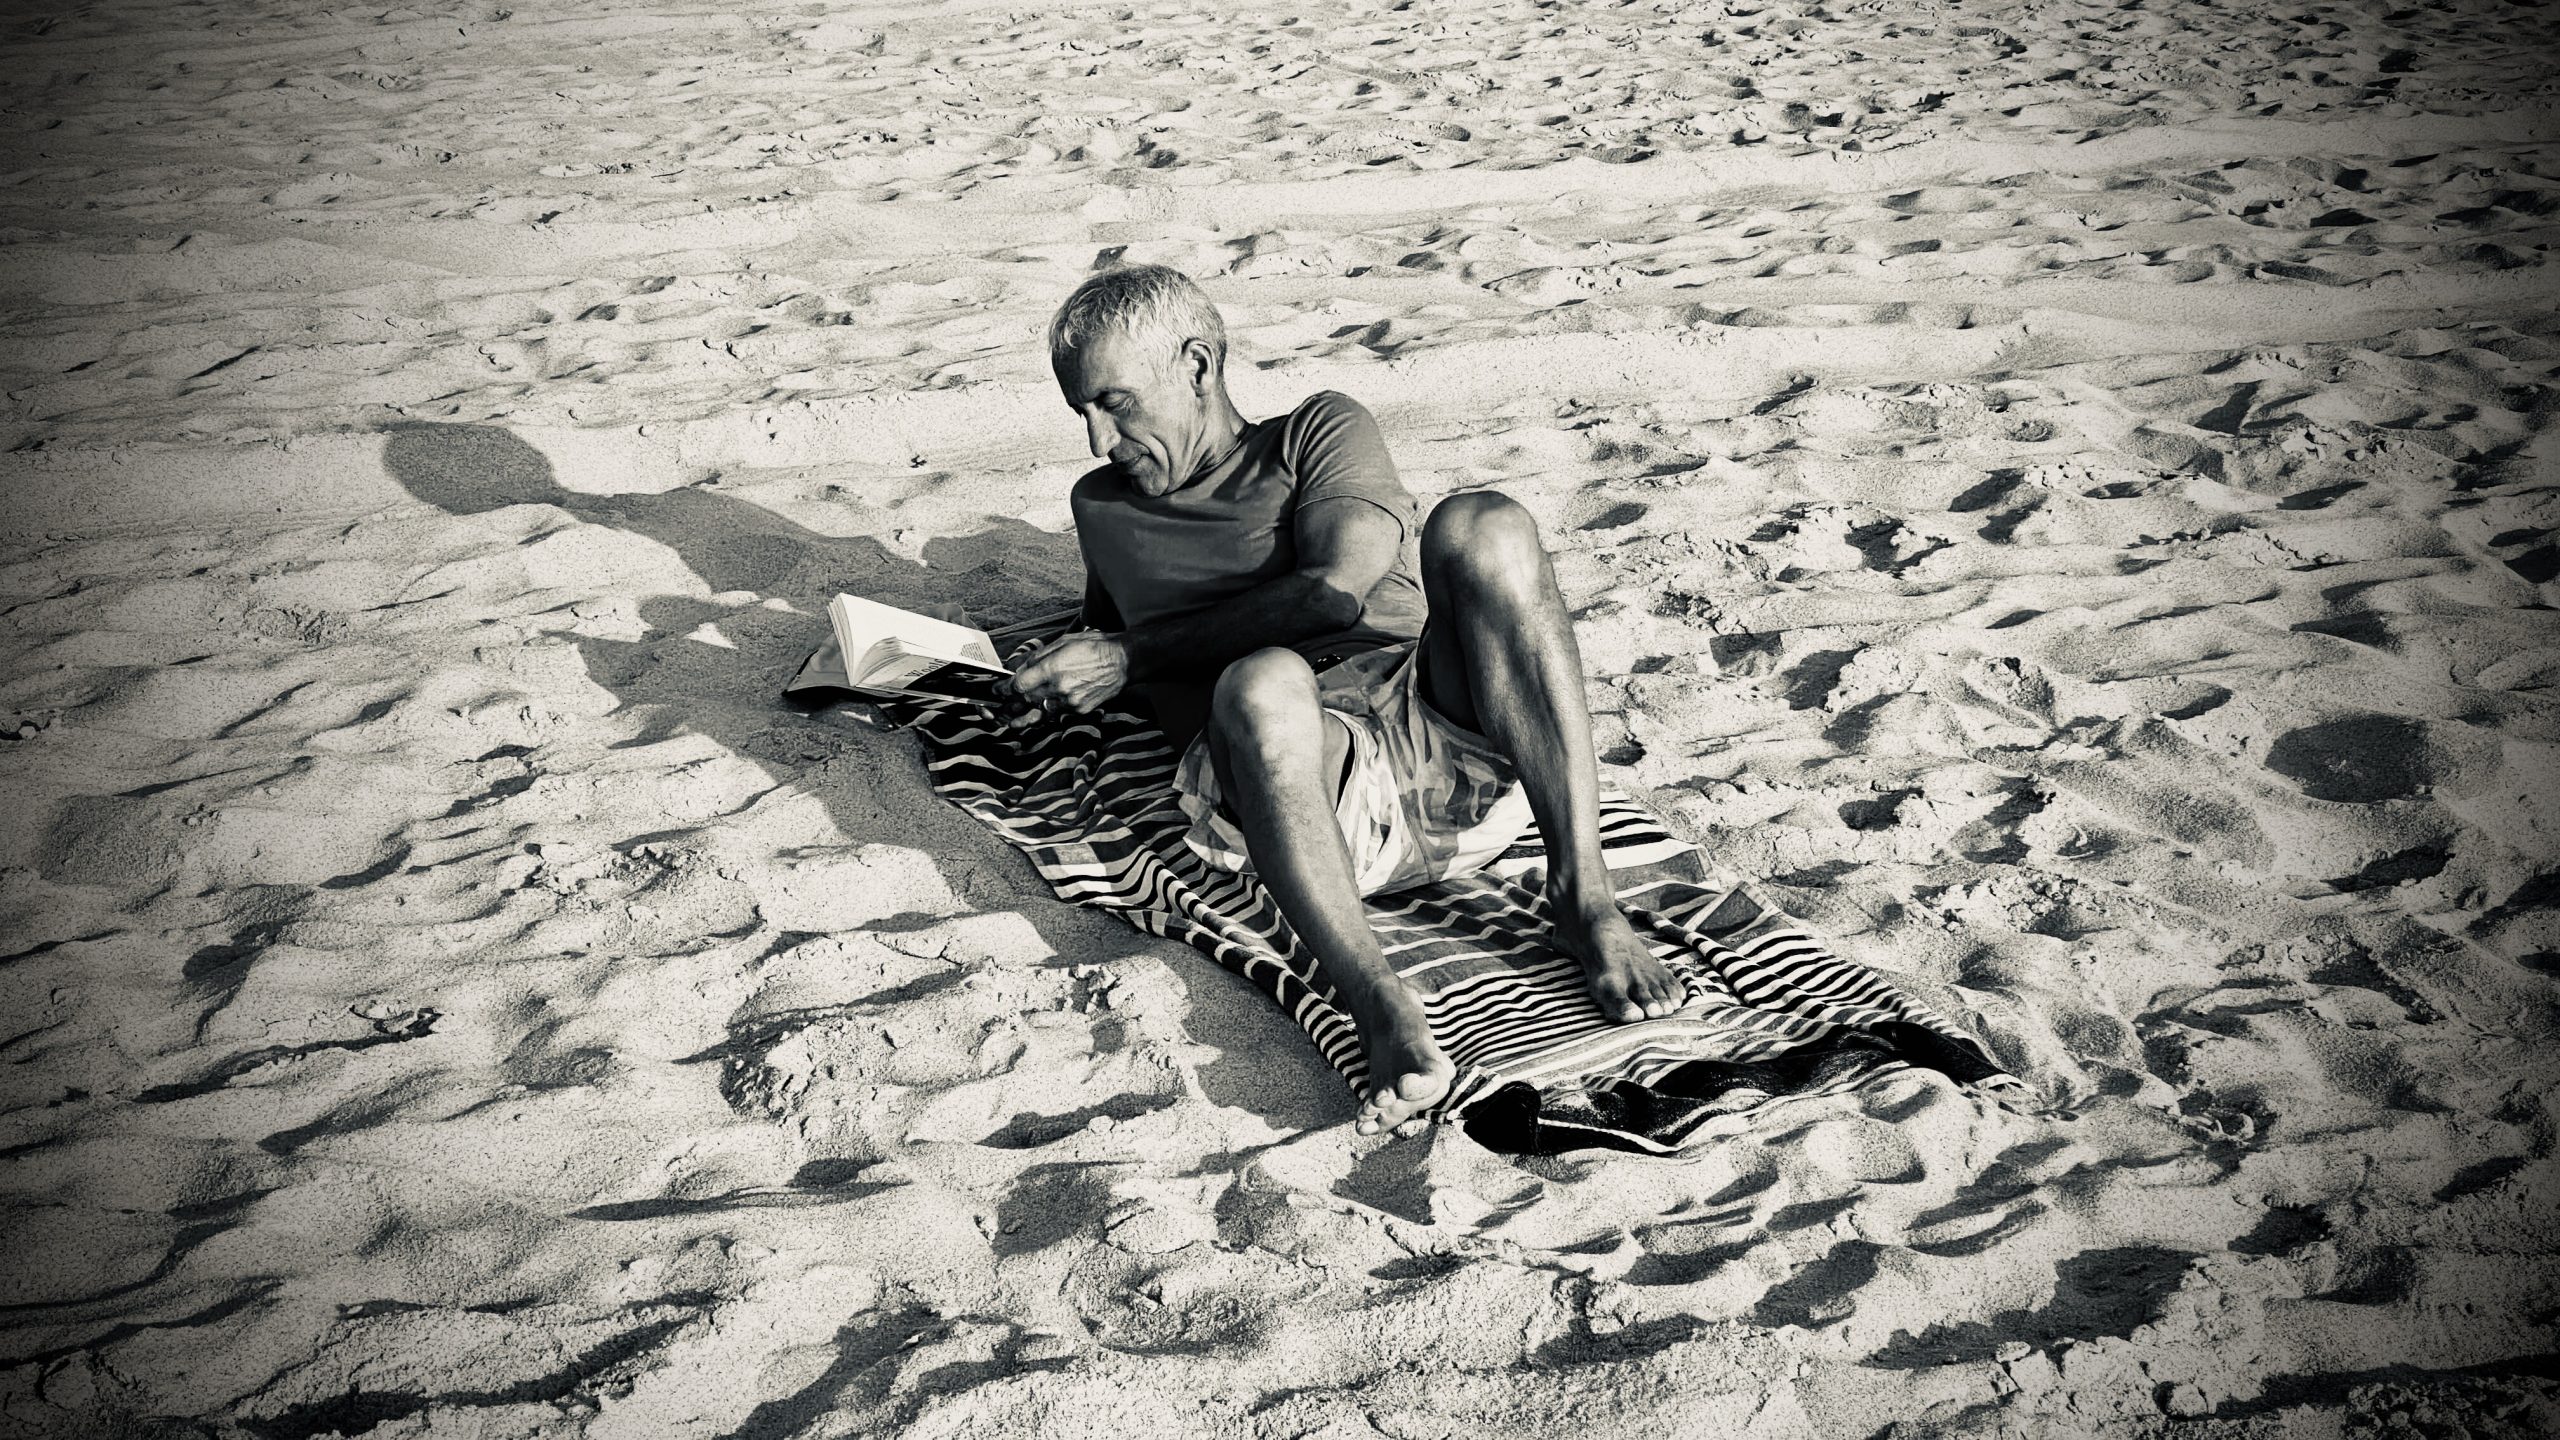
[1254, 581]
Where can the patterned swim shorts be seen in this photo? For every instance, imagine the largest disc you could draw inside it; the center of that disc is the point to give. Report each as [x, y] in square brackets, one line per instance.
[1425, 799]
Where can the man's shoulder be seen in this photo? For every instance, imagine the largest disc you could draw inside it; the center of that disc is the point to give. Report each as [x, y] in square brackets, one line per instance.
[1323, 423]
[1098, 484]
[1329, 406]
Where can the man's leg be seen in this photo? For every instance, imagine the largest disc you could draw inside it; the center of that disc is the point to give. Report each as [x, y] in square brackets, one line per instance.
[1280, 759]
[1499, 658]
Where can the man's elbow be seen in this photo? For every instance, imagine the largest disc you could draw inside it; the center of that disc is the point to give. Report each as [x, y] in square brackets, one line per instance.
[1334, 607]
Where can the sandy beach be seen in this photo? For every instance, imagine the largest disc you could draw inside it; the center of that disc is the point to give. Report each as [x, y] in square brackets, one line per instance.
[2061, 497]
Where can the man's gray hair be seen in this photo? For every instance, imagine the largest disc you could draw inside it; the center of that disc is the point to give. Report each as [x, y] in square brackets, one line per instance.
[1156, 306]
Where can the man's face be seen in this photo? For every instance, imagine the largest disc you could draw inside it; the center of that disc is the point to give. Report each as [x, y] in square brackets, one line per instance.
[1144, 413]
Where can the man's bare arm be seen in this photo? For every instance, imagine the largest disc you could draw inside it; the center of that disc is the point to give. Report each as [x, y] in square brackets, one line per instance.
[1345, 547]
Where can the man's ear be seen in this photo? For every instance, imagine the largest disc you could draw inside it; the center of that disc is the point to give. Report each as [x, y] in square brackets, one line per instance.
[1199, 365]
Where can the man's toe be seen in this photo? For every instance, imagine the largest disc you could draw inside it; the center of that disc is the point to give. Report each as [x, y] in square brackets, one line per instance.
[1662, 987]
[1387, 1104]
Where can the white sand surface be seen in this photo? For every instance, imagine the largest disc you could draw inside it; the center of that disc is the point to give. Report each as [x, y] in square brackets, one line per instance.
[2059, 494]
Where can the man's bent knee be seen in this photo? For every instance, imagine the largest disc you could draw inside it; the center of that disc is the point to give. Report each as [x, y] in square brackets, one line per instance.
[1266, 697]
[1482, 535]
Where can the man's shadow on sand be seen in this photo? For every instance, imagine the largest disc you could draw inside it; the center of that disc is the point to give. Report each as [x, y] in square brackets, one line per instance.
[1011, 569]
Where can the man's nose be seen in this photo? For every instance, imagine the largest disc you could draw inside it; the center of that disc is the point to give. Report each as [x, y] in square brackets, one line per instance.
[1099, 434]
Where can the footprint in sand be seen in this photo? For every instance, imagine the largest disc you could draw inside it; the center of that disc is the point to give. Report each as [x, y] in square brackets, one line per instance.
[1864, 1150]
[2357, 759]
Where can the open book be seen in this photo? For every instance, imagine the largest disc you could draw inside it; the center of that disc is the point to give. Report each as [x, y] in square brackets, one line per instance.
[881, 649]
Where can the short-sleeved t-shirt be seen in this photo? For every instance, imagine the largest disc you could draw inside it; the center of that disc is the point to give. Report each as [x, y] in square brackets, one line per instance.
[1234, 527]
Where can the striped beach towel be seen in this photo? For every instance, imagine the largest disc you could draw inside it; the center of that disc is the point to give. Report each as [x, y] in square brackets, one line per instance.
[1771, 1011]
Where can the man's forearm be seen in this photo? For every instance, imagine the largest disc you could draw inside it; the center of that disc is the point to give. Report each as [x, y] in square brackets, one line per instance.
[1279, 611]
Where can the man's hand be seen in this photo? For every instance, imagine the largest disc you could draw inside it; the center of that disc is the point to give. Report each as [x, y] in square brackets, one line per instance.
[1074, 672]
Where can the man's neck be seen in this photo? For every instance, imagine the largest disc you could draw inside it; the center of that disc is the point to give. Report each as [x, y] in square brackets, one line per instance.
[1219, 438]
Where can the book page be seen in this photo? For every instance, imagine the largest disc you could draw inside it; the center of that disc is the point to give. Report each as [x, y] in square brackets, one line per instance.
[861, 623]
[894, 665]
[827, 669]
[886, 648]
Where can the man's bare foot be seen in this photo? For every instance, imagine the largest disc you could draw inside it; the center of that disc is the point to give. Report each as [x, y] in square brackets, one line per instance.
[1408, 1071]
[1626, 981]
